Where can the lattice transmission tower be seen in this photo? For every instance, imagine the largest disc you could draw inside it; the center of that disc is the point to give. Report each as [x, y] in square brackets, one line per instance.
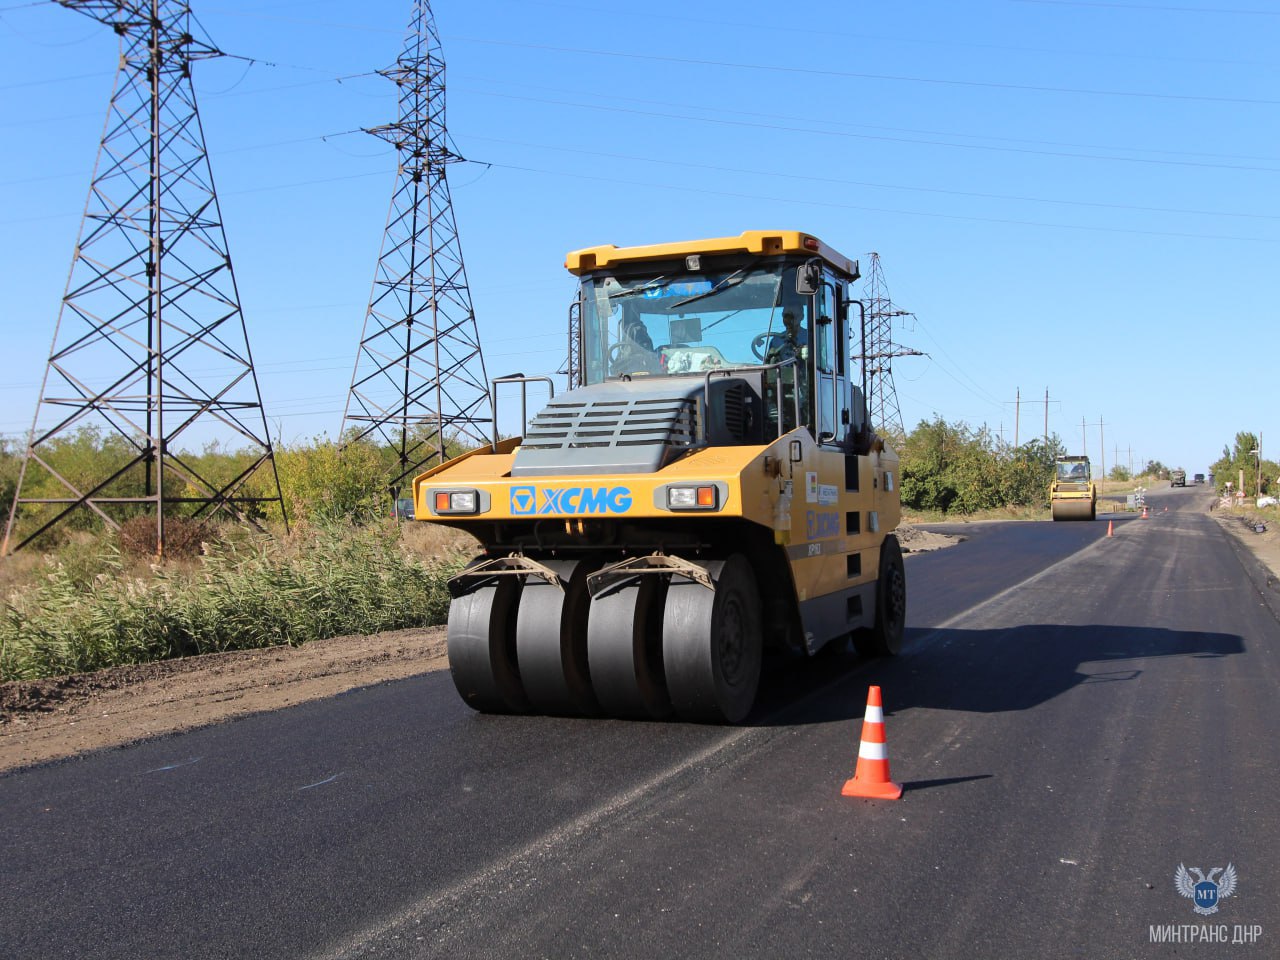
[882, 400]
[150, 347]
[419, 381]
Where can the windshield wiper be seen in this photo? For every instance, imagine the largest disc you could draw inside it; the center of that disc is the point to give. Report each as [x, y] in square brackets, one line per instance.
[735, 278]
[641, 289]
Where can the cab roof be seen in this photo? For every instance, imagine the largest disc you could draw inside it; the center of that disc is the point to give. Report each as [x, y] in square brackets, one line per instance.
[759, 242]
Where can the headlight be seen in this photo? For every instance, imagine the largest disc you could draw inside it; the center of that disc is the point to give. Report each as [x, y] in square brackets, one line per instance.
[455, 501]
[704, 497]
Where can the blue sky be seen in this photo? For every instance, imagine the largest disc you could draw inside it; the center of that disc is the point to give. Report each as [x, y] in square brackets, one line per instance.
[1078, 196]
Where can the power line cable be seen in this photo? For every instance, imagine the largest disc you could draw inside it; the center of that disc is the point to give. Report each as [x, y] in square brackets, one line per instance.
[894, 78]
[827, 203]
[884, 139]
[826, 32]
[865, 183]
[792, 116]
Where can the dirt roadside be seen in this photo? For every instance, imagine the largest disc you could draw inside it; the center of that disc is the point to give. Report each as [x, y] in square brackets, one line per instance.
[48, 719]
[45, 720]
[1265, 545]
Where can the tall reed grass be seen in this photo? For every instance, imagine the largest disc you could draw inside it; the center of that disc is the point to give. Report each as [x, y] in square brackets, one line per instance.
[258, 592]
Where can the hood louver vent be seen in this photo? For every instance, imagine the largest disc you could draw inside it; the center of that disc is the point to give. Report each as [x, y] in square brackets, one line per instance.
[612, 424]
[611, 427]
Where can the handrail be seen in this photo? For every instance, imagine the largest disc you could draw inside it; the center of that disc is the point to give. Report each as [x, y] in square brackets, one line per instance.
[765, 369]
[524, 381]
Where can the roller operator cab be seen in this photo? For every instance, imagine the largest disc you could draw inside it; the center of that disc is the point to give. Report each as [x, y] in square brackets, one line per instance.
[709, 488]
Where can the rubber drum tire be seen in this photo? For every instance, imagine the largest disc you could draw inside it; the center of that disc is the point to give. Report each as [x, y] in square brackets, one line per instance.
[884, 639]
[712, 644]
[481, 644]
[624, 648]
[551, 641]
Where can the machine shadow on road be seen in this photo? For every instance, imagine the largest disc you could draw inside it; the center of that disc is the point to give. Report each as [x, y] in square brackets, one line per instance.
[978, 671]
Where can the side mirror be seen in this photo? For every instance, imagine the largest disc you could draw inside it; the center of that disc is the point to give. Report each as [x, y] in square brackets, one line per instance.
[808, 277]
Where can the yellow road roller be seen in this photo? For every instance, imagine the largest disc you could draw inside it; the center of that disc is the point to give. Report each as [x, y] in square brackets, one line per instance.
[1072, 494]
[707, 488]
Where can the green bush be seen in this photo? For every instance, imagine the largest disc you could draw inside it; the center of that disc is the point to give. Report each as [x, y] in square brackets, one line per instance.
[950, 468]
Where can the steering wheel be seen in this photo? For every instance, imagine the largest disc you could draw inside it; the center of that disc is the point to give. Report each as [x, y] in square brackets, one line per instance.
[627, 358]
[764, 344]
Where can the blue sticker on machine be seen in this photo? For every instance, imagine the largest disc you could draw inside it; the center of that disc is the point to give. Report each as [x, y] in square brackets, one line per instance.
[677, 288]
[572, 500]
[819, 525]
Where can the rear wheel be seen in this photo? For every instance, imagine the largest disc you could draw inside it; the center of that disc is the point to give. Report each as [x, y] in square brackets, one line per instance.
[624, 648]
[481, 643]
[712, 645]
[551, 641]
[885, 637]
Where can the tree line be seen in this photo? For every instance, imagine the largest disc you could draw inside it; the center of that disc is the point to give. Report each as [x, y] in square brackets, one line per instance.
[946, 467]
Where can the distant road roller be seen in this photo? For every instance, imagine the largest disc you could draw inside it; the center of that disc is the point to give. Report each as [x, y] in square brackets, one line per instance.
[708, 488]
[1072, 494]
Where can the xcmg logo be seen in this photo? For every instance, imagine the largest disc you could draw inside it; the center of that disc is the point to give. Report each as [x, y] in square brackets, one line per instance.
[525, 501]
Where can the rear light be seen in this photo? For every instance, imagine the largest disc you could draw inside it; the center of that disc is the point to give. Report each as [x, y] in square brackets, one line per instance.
[704, 497]
[455, 501]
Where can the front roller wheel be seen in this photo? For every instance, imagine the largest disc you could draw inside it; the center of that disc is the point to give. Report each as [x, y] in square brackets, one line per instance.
[884, 639]
[712, 645]
[624, 647]
[482, 654]
[551, 641]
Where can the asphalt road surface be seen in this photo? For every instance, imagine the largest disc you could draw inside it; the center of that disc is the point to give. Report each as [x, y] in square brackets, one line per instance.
[1073, 718]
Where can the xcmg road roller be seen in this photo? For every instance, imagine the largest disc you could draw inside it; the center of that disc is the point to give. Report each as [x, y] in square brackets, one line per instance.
[1072, 494]
[709, 487]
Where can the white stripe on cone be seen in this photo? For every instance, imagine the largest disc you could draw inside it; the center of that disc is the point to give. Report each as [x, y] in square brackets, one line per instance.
[874, 715]
[873, 751]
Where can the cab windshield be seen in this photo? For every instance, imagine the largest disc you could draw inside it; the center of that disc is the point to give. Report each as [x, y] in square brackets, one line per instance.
[672, 323]
[1073, 472]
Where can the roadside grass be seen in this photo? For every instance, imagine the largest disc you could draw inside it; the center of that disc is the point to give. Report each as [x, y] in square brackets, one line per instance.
[88, 607]
[1250, 514]
[996, 513]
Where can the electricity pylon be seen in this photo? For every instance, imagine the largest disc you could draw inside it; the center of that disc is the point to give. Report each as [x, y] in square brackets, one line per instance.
[419, 381]
[882, 400]
[150, 346]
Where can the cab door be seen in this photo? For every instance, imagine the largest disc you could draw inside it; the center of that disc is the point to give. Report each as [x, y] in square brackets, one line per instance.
[830, 364]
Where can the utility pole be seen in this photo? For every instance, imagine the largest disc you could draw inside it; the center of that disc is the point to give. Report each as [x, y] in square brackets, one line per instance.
[1084, 439]
[1017, 415]
[1257, 468]
[1046, 416]
[1102, 452]
[150, 344]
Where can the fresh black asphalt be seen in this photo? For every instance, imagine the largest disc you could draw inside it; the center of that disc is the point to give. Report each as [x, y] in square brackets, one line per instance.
[1073, 717]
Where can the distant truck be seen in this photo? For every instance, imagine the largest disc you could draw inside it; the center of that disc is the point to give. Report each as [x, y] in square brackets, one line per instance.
[1177, 478]
[1199, 478]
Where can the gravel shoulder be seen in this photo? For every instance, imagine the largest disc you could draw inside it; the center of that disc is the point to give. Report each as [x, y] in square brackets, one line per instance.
[44, 720]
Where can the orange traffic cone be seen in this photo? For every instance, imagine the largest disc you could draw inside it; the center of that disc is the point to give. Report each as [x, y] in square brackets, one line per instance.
[1111, 524]
[1144, 512]
[871, 778]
